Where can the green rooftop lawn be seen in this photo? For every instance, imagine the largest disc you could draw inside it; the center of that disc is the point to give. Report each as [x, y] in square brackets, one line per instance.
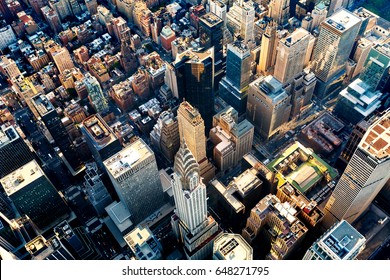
[316, 162]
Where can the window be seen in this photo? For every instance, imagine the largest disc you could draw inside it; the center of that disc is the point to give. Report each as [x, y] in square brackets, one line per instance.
[194, 180]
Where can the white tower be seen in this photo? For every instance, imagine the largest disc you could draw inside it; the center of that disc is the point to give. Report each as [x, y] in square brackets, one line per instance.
[191, 222]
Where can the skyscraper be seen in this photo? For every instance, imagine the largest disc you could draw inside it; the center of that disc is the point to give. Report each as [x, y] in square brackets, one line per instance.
[234, 86]
[191, 222]
[318, 15]
[52, 19]
[356, 102]
[128, 58]
[194, 75]
[102, 142]
[334, 5]
[14, 152]
[5, 11]
[34, 195]
[165, 135]
[364, 176]
[268, 106]
[53, 122]
[232, 139]
[61, 58]
[301, 89]
[340, 242]
[192, 130]
[75, 6]
[167, 36]
[334, 45]
[15, 233]
[291, 54]
[240, 20]
[219, 8]
[354, 139]
[96, 191]
[134, 174]
[95, 94]
[268, 49]
[62, 7]
[211, 33]
[279, 10]
[376, 69]
[278, 223]
[91, 6]
[9, 67]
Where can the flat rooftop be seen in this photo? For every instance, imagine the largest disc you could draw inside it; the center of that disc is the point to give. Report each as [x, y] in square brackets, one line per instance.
[271, 87]
[128, 159]
[138, 236]
[246, 181]
[190, 113]
[211, 19]
[7, 135]
[227, 193]
[231, 246]
[239, 49]
[192, 56]
[99, 131]
[341, 240]
[37, 245]
[376, 141]
[341, 21]
[42, 104]
[301, 167]
[120, 215]
[21, 177]
[295, 37]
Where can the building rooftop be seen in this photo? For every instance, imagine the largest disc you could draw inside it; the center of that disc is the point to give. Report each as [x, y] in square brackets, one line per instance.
[376, 142]
[143, 244]
[21, 177]
[229, 246]
[99, 131]
[341, 20]
[239, 48]
[120, 215]
[190, 113]
[294, 228]
[271, 87]
[359, 93]
[51, 249]
[7, 135]
[211, 19]
[192, 56]
[38, 245]
[128, 159]
[246, 182]
[227, 193]
[301, 167]
[341, 240]
[137, 236]
[322, 132]
[167, 31]
[42, 104]
[300, 201]
[295, 37]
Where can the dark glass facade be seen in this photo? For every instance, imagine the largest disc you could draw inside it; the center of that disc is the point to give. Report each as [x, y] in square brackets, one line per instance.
[41, 202]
